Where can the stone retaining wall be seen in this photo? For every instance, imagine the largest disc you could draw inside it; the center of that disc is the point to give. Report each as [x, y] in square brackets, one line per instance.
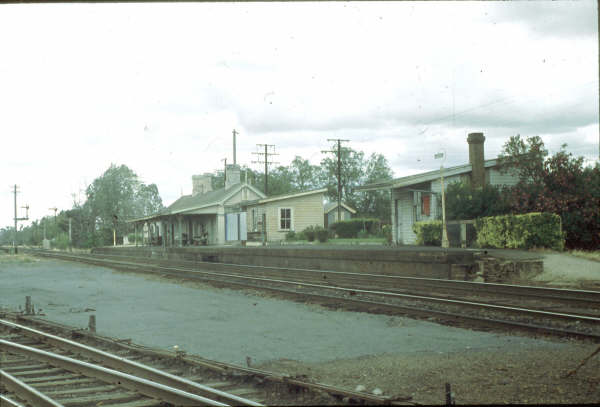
[455, 264]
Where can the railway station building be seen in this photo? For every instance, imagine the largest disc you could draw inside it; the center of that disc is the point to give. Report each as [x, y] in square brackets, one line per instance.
[206, 216]
[418, 197]
[236, 213]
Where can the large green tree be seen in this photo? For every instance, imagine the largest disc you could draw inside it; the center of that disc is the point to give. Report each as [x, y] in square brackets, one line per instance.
[375, 203]
[114, 198]
[558, 184]
[356, 171]
[352, 170]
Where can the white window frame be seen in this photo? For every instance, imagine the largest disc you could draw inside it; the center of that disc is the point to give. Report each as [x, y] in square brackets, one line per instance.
[279, 219]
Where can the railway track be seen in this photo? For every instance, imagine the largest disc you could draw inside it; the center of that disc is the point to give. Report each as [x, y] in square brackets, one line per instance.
[574, 313]
[39, 368]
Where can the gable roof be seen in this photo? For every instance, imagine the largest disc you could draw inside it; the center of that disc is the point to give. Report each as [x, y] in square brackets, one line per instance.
[424, 177]
[285, 196]
[332, 205]
[191, 202]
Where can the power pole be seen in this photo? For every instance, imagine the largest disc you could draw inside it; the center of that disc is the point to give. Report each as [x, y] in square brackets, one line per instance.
[15, 234]
[266, 162]
[56, 230]
[16, 219]
[339, 173]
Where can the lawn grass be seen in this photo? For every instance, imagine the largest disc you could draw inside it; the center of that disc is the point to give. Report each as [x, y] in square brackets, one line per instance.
[367, 240]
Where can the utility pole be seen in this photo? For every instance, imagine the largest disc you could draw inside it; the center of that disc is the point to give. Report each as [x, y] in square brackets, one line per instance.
[339, 173]
[70, 240]
[56, 230]
[16, 219]
[266, 162]
[15, 234]
[442, 156]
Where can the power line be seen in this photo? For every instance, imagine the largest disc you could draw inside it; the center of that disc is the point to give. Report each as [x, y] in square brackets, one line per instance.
[266, 161]
[339, 172]
[506, 100]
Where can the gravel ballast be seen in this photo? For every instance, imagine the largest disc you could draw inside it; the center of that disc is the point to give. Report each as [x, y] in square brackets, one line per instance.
[398, 355]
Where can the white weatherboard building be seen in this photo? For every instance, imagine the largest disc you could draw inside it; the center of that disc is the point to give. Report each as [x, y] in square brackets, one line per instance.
[418, 197]
[226, 215]
[206, 216]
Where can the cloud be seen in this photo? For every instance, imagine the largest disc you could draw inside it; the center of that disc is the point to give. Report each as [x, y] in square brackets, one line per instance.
[550, 18]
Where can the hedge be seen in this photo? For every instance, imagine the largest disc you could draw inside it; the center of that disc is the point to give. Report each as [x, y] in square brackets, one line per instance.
[520, 231]
[428, 233]
[350, 228]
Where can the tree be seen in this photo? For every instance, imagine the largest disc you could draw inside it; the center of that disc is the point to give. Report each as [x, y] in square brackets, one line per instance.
[375, 203]
[304, 175]
[114, 198]
[463, 201]
[525, 156]
[352, 172]
[559, 184]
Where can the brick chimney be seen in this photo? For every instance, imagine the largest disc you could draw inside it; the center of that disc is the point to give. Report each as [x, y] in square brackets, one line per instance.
[201, 184]
[476, 159]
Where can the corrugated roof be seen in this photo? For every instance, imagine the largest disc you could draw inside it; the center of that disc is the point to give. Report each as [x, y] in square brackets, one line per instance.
[423, 177]
[190, 202]
[285, 196]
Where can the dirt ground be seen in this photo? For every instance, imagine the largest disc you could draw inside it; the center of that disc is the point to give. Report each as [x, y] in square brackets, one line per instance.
[531, 376]
[507, 376]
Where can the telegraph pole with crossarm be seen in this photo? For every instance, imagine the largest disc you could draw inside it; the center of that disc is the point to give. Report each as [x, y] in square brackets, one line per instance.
[338, 152]
[266, 162]
[15, 191]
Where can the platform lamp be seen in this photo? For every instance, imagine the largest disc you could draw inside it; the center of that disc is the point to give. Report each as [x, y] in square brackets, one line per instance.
[442, 156]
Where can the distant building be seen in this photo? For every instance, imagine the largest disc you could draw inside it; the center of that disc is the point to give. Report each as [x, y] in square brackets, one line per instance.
[331, 213]
[226, 215]
[285, 213]
[206, 216]
[418, 197]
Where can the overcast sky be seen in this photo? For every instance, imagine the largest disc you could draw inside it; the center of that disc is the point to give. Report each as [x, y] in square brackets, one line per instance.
[160, 87]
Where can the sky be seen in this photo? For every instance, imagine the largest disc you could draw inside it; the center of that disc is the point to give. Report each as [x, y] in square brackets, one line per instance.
[159, 87]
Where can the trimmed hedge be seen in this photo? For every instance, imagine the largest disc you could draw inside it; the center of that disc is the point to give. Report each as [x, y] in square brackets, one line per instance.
[428, 233]
[348, 229]
[520, 231]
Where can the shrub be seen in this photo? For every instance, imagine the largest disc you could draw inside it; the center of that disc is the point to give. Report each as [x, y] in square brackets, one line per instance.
[520, 231]
[61, 242]
[363, 234]
[428, 233]
[310, 234]
[349, 228]
[387, 233]
[322, 234]
[291, 236]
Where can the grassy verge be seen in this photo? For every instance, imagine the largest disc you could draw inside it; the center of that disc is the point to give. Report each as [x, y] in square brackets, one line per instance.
[18, 258]
[592, 255]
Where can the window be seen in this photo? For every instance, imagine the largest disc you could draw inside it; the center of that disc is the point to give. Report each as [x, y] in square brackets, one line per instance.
[285, 218]
[255, 220]
[425, 204]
